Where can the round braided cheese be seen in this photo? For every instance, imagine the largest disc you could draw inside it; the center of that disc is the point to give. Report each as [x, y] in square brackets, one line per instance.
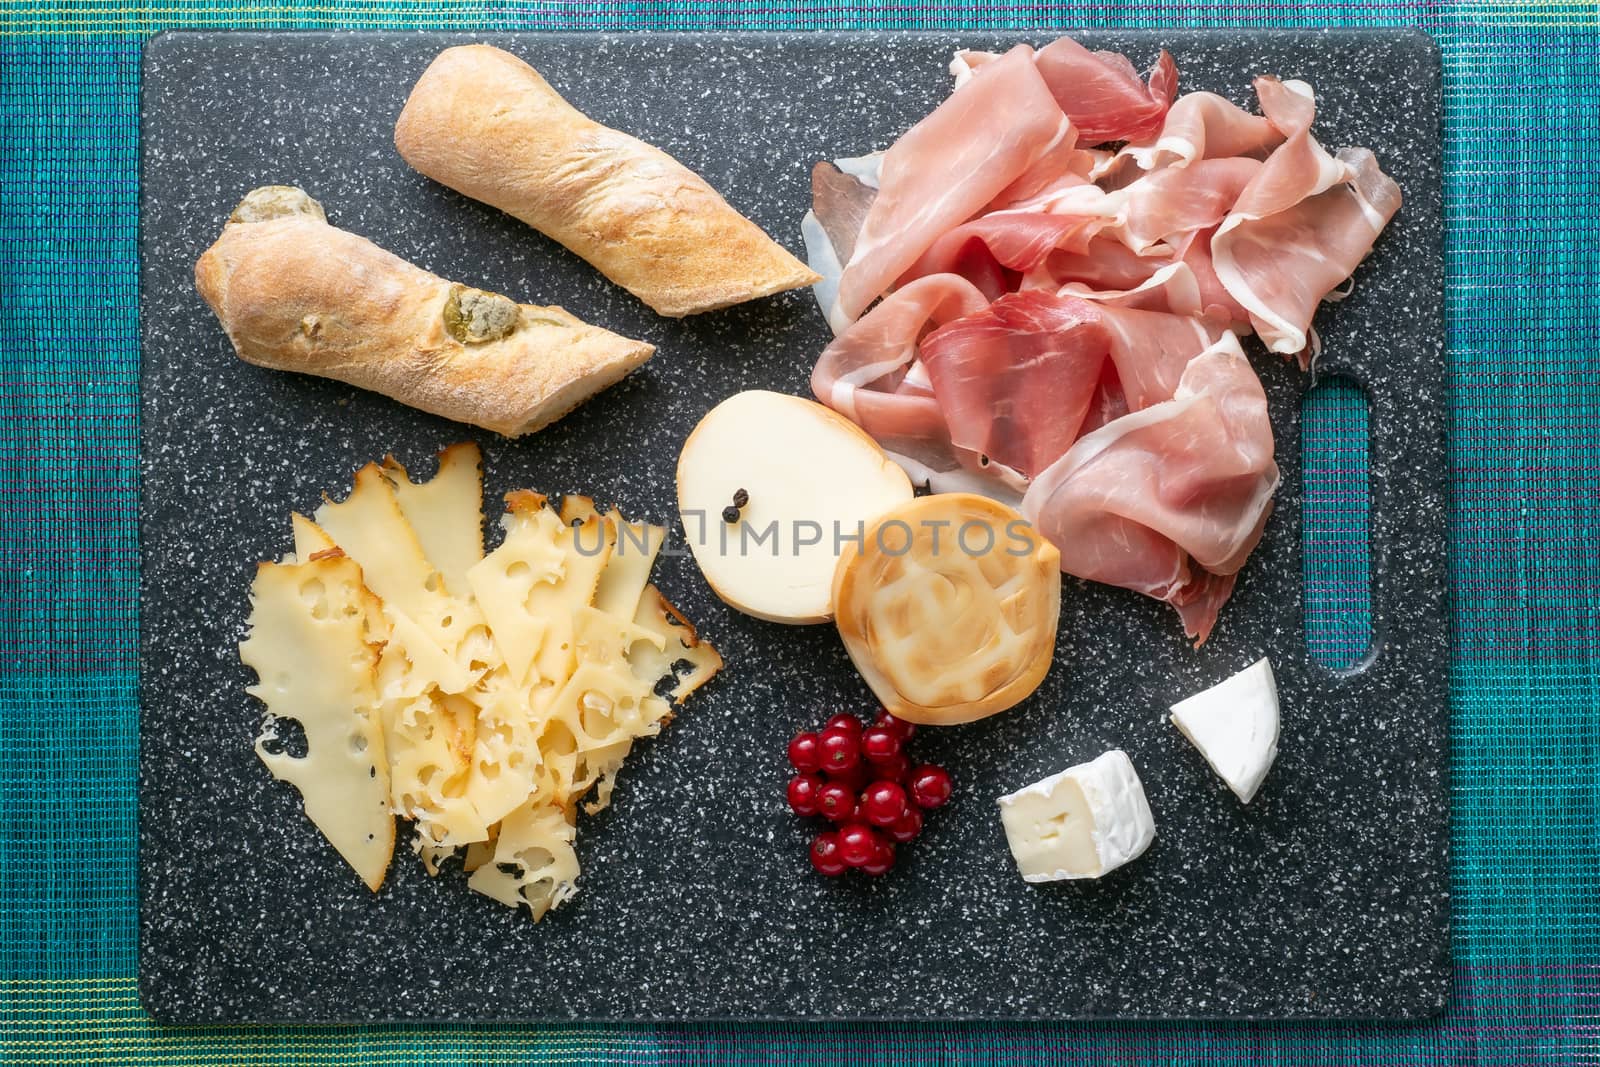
[948, 606]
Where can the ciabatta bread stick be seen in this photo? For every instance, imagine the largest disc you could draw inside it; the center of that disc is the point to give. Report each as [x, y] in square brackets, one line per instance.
[294, 293]
[483, 122]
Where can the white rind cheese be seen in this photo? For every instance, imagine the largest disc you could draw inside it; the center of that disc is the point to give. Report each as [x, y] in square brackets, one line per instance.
[1080, 823]
[308, 647]
[1234, 724]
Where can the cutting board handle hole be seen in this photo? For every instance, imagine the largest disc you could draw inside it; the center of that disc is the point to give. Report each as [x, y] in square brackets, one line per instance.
[1335, 541]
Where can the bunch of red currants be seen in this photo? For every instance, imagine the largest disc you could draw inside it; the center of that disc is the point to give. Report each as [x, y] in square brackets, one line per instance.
[863, 782]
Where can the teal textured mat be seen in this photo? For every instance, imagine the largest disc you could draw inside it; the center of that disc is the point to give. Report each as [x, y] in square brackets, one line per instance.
[1523, 203]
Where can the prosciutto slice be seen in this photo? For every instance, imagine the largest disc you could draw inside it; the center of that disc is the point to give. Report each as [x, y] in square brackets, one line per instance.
[1168, 501]
[1100, 91]
[1149, 351]
[1107, 265]
[1205, 126]
[1027, 307]
[1301, 226]
[840, 201]
[1173, 288]
[1014, 241]
[1015, 380]
[946, 168]
[1216, 303]
[870, 374]
[1169, 204]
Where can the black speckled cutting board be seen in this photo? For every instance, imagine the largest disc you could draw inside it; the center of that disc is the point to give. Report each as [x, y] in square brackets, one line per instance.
[1326, 897]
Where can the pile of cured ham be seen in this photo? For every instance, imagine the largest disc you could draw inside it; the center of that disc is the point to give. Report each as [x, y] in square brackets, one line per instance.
[1038, 291]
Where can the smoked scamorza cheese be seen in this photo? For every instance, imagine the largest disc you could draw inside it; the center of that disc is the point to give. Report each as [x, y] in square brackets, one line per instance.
[502, 692]
[948, 606]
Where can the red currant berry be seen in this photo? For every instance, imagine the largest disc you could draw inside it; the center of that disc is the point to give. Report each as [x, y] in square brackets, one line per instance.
[899, 726]
[836, 802]
[857, 777]
[879, 744]
[804, 790]
[883, 803]
[804, 753]
[858, 845]
[825, 855]
[846, 722]
[882, 861]
[841, 751]
[930, 786]
[894, 770]
[906, 828]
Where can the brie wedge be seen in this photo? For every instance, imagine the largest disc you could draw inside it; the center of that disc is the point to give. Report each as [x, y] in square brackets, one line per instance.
[1081, 823]
[1234, 724]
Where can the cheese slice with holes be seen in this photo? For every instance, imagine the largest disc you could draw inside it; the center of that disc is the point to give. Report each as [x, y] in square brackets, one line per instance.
[1234, 724]
[370, 527]
[445, 512]
[534, 864]
[1080, 823]
[591, 726]
[307, 645]
[513, 711]
[511, 687]
[427, 665]
[309, 539]
[680, 647]
[627, 569]
[588, 551]
[532, 555]
[429, 740]
[505, 755]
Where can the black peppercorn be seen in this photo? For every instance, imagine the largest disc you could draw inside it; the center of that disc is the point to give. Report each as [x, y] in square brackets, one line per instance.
[740, 498]
[730, 514]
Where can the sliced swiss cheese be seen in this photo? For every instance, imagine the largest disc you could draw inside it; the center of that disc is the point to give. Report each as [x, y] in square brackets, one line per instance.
[536, 624]
[511, 686]
[369, 526]
[589, 549]
[532, 555]
[307, 645]
[627, 570]
[309, 539]
[445, 512]
[680, 647]
[505, 754]
[534, 862]
[430, 741]
[592, 724]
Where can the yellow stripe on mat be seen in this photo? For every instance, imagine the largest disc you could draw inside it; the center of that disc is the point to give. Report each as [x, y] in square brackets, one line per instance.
[100, 1021]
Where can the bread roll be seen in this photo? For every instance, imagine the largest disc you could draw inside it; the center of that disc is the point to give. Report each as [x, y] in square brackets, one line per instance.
[483, 122]
[294, 293]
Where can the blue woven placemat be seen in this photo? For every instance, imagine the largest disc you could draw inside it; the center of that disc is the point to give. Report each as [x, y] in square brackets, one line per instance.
[1523, 199]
